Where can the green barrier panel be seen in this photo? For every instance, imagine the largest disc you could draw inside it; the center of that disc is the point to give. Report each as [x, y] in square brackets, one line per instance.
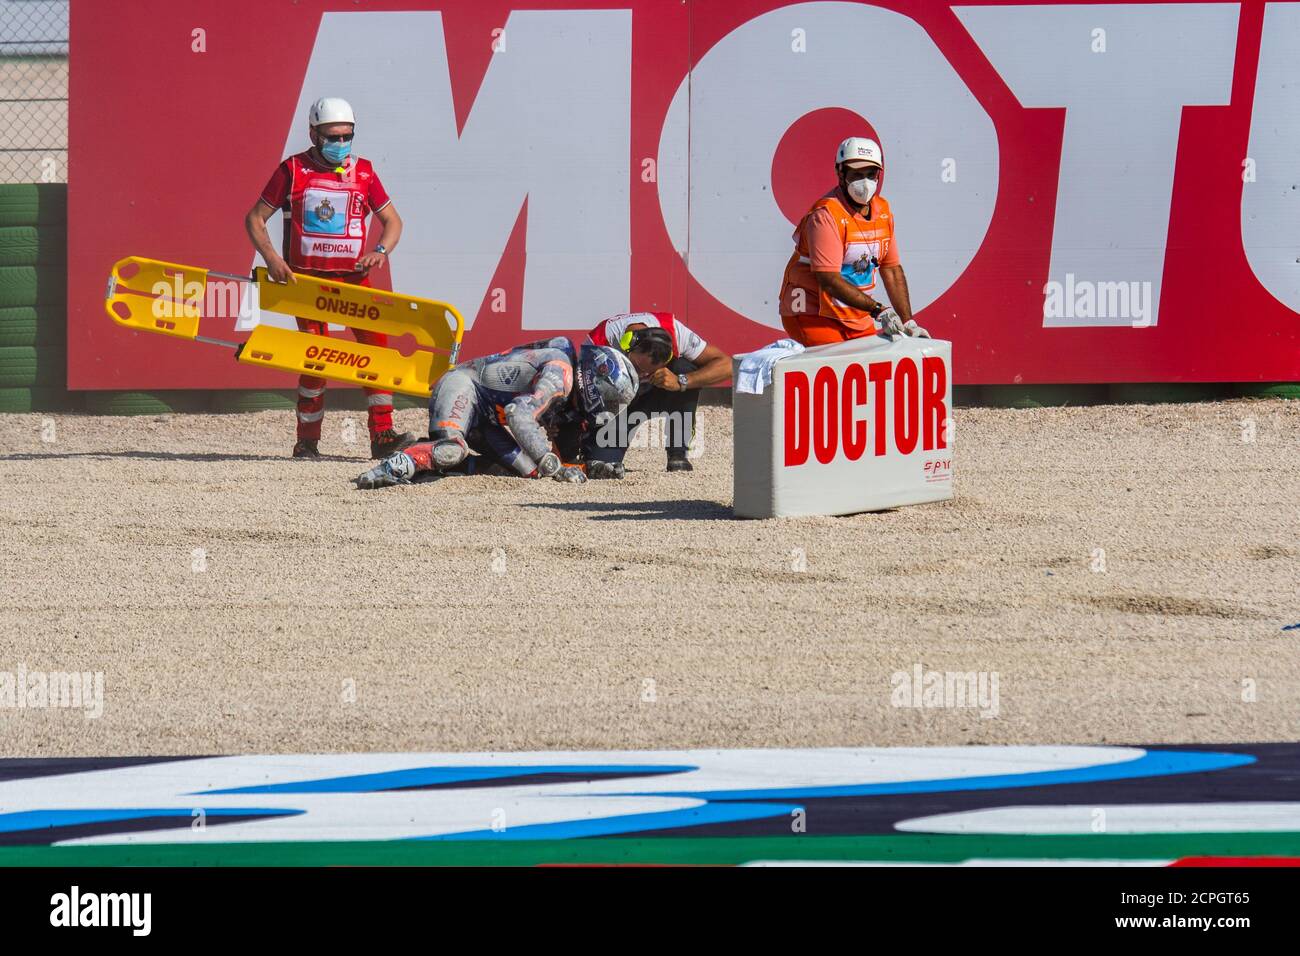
[33, 245]
[40, 399]
[32, 285]
[1268, 389]
[252, 401]
[33, 204]
[27, 325]
[1159, 393]
[22, 366]
[1041, 396]
[145, 403]
[401, 401]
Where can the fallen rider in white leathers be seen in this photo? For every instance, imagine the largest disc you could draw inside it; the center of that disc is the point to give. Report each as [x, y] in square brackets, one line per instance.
[503, 406]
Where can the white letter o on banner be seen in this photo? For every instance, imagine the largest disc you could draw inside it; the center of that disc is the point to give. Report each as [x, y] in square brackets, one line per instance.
[748, 90]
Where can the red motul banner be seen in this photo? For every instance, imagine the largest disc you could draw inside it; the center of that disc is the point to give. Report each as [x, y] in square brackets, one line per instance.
[1083, 192]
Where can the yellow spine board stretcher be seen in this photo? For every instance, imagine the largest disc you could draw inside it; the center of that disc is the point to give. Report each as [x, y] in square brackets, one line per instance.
[168, 298]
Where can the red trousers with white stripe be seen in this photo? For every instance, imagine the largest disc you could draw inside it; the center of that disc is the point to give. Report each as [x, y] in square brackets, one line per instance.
[311, 388]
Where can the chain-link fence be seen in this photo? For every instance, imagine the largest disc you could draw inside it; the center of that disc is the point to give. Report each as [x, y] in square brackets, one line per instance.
[33, 91]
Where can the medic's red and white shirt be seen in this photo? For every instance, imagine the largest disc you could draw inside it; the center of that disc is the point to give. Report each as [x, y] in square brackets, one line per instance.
[325, 211]
[686, 343]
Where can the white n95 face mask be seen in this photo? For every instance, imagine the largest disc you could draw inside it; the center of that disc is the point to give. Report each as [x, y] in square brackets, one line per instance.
[861, 190]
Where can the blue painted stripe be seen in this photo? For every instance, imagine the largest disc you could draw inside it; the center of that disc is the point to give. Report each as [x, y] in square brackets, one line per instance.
[1149, 764]
[44, 819]
[1158, 763]
[629, 823]
[430, 776]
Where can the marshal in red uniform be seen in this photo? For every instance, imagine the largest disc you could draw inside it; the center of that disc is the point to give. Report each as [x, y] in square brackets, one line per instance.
[327, 196]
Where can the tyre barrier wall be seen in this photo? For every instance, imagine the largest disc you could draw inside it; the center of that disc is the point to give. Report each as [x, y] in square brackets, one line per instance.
[33, 284]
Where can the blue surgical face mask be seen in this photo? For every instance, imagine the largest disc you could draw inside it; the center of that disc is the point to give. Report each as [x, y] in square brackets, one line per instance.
[336, 152]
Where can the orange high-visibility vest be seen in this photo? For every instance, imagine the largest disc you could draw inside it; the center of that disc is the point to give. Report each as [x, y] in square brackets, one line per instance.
[866, 243]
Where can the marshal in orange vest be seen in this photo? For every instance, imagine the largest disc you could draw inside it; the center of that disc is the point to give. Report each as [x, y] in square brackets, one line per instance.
[865, 242]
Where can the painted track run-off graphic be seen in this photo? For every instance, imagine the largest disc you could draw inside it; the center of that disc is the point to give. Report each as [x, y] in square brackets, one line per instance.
[1151, 806]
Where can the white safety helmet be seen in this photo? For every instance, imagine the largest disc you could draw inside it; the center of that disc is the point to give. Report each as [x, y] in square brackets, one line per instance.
[859, 151]
[608, 372]
[330, 109]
